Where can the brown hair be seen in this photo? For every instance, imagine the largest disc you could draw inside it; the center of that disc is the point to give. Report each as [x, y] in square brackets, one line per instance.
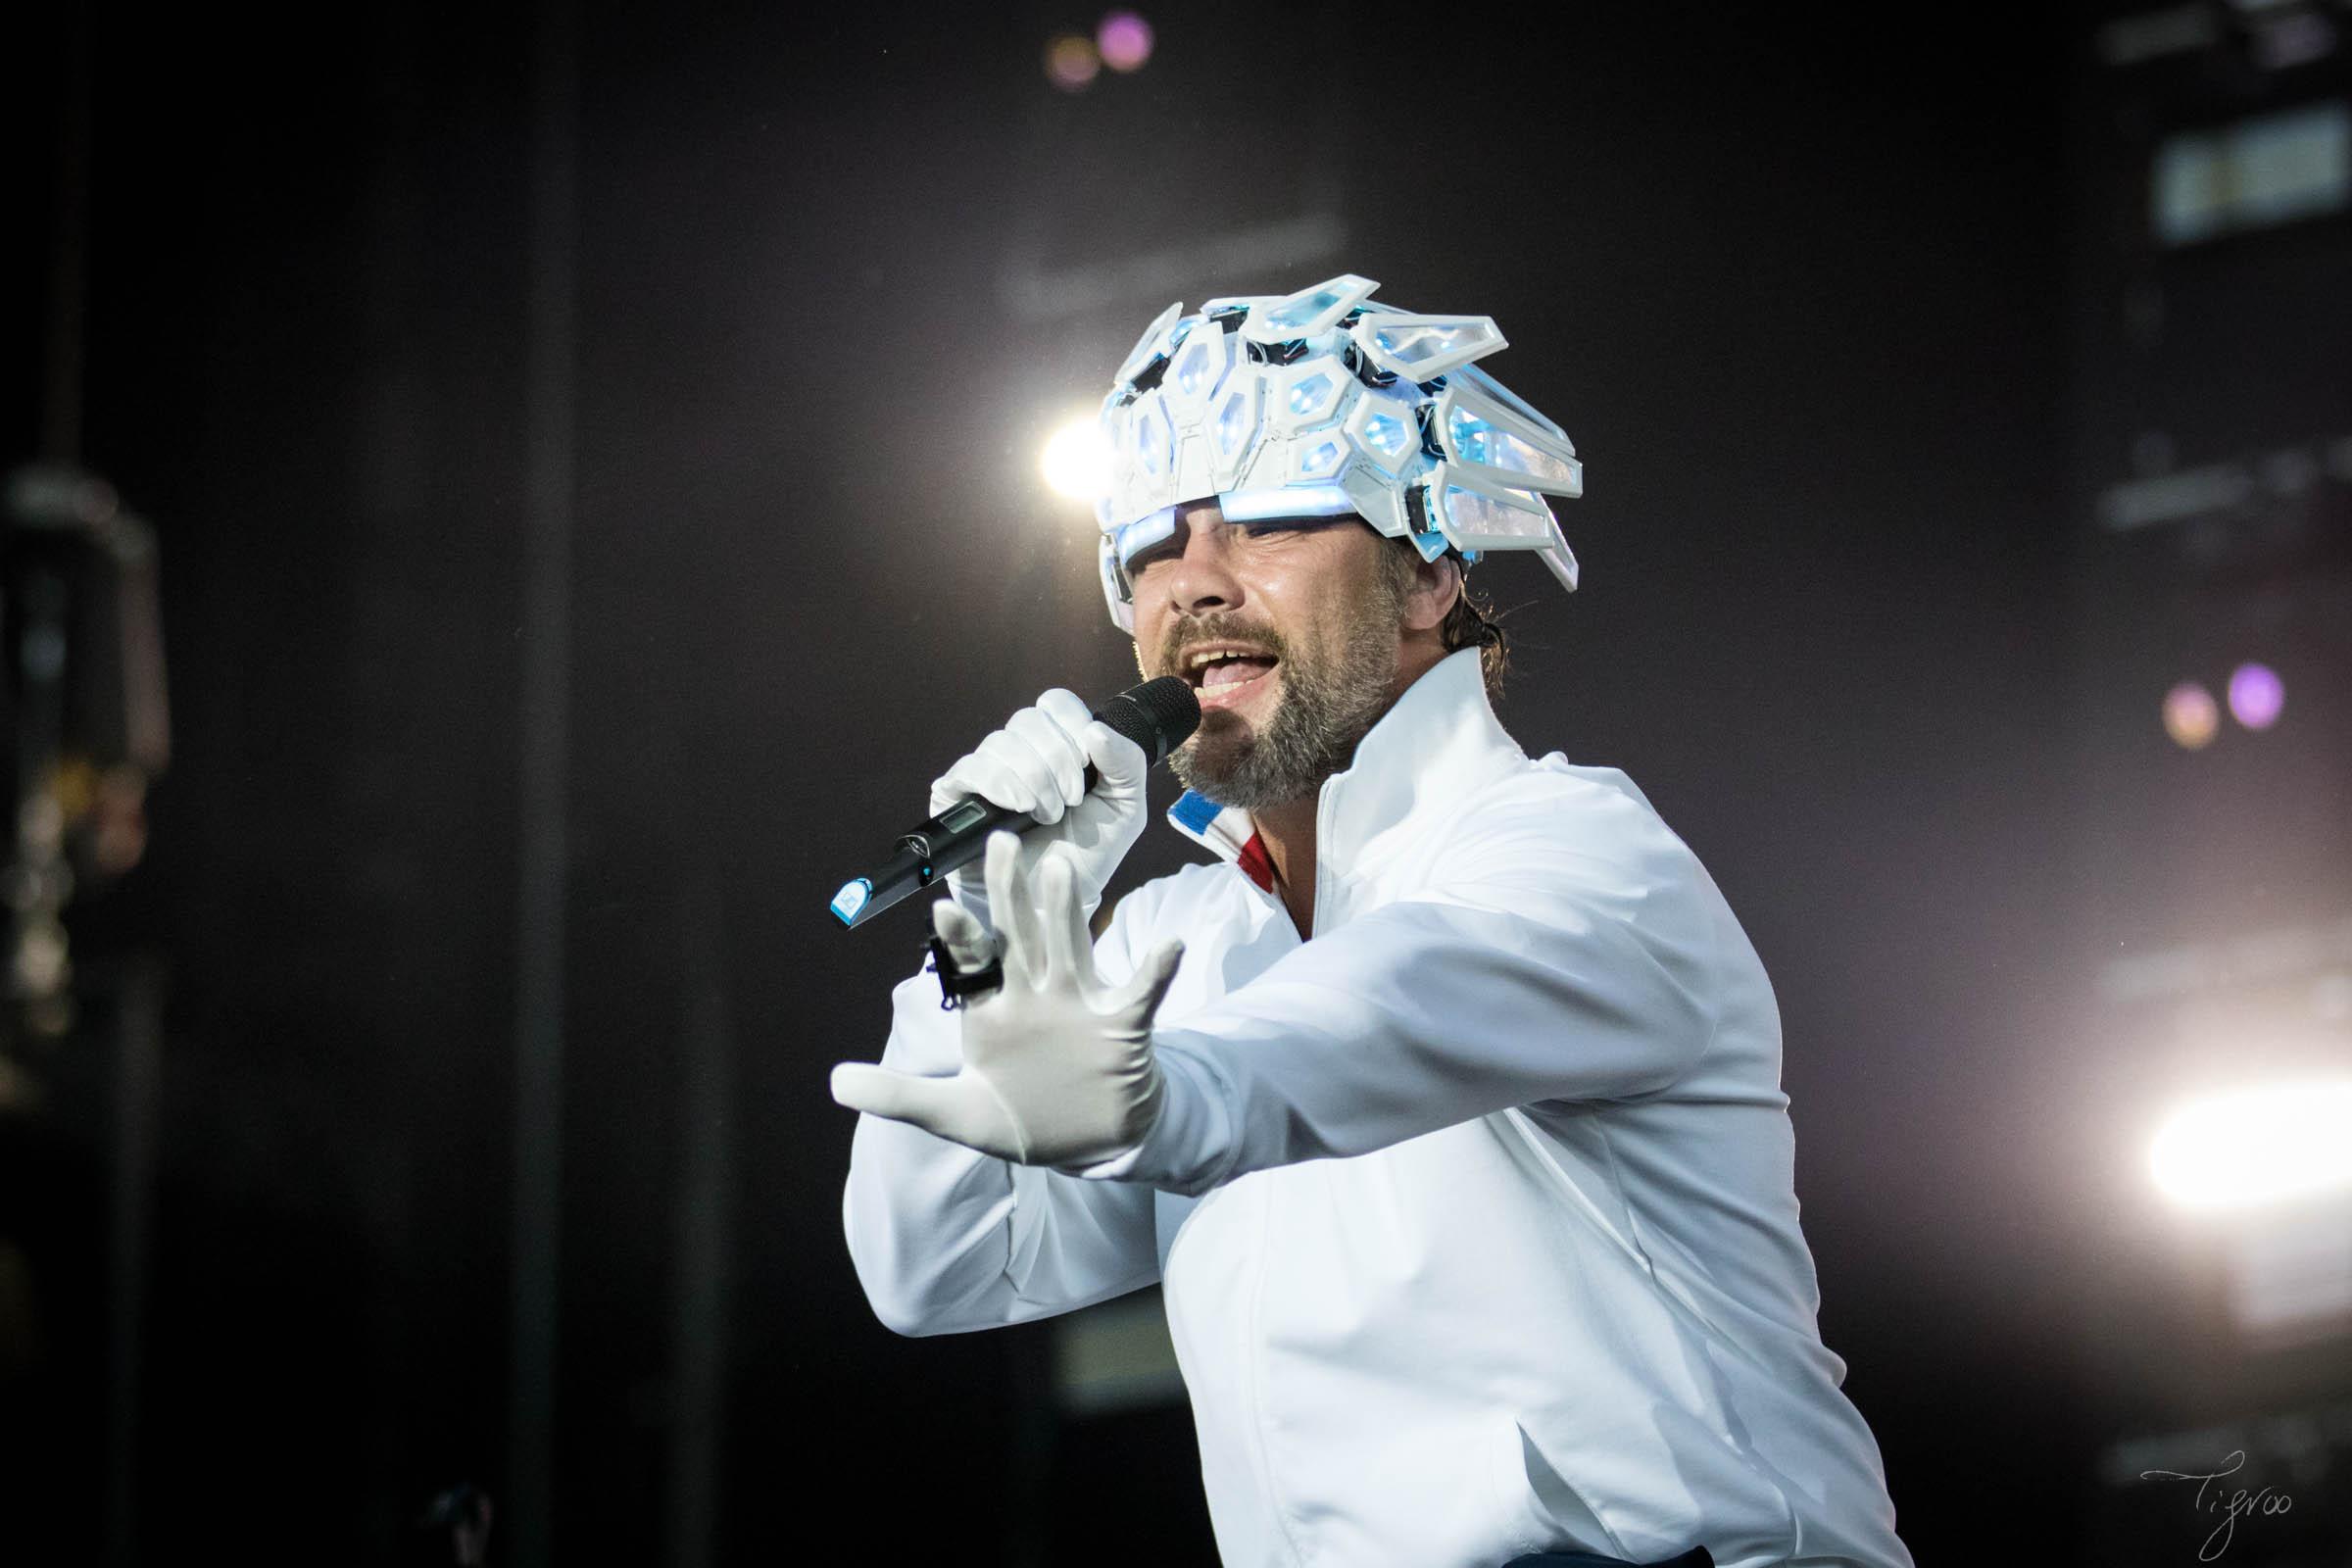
[1472, 621]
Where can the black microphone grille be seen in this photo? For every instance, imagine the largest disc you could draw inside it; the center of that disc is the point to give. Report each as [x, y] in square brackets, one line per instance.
[1158, 715]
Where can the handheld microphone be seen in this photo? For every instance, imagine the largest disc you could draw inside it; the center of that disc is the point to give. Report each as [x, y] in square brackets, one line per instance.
[1158, 715]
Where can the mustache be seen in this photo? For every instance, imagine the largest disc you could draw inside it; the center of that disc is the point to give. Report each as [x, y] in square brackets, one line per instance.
[1215, 628]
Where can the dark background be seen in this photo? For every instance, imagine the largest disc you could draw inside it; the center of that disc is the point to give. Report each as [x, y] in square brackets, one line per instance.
[1803, 288]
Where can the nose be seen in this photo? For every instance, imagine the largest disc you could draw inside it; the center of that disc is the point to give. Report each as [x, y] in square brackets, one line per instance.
[1201, 579]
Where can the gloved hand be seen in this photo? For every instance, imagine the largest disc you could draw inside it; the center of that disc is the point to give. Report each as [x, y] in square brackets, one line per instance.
[1058, 1067]
[1036, 763]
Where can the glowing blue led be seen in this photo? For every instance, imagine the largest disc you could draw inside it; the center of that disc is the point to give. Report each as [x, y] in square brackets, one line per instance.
[1288, 500]
[1509, 447]
[1309, 395]
[1192, 366]
[1150, 529]
[1154, 438]
[1470, 436]
[1233, 422]
[1386, 434]
[1321, 461]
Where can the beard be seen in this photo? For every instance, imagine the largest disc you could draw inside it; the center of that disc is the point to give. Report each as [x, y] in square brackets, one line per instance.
[1331, 696]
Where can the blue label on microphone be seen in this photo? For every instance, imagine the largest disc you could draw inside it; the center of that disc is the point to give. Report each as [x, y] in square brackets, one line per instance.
[851, 898]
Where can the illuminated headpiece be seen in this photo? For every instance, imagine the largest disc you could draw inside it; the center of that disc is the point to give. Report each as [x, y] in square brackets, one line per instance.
[1320, 404]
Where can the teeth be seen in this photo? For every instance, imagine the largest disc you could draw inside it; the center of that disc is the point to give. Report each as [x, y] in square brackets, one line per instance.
[1211, 656]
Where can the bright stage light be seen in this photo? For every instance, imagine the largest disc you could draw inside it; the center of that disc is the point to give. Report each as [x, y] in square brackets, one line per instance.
[2256, 694]
[1075, 464]
[2250, 1147]
[2190, 715]
[1125, 40]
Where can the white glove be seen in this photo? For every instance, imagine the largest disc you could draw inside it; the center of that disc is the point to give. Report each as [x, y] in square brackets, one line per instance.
[1058, 1067]
[1036, 763]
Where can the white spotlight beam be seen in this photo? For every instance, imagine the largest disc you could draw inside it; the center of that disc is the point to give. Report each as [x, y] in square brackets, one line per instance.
[1074, 462]
[2258, 1147]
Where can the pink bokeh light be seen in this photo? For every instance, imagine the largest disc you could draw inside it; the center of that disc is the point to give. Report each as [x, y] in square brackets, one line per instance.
[2256, 694]
[1125, 40]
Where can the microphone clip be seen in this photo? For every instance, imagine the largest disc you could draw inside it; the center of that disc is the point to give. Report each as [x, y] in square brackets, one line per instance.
[956, 983]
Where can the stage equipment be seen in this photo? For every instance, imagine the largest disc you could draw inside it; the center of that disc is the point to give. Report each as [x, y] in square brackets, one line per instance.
[85, 691]
[1158, 715]
[2211, 563]
[1321, 404]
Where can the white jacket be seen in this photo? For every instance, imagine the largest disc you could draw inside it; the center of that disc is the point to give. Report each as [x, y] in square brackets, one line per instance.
[1475, 1214]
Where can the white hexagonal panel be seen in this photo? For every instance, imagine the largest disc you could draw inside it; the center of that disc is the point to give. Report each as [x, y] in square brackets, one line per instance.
[1422, 348]
[1317, 454]
[1309, 313]
[1384, 429]
[1151, 342]
[1194, 374]
[1232, 429]
[1495, 442]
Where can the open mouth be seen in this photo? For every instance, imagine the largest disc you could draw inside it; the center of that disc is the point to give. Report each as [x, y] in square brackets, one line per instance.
[1225, 673]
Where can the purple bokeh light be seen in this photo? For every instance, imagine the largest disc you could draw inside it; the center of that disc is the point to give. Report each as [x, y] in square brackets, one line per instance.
[1125, 40]
[2256, 694]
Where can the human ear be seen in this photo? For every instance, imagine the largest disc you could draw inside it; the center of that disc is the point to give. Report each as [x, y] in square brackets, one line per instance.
[1436, 584]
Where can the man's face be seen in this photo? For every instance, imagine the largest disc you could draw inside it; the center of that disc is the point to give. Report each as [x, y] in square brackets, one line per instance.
[1290, 630]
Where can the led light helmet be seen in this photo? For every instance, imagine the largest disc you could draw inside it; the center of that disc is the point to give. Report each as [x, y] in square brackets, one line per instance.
[1325, 403]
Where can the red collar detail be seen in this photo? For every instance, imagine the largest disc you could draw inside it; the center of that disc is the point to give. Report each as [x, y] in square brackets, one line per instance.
[1258, 864]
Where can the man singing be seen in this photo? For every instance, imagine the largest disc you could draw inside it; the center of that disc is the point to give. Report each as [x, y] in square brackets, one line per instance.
[1445, 1104]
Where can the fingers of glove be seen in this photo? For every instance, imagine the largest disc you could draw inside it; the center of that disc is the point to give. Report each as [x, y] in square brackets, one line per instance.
[1004, 773]
[965, 890]
[1144, 994]
[1120, 762]
[1011, 906]
[1066, 708]
[953, 785]
[967, 940]
[1069, 949]
[930, 1103]
[1058, 747]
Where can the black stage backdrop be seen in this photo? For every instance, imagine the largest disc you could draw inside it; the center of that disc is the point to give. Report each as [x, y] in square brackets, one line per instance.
[1794, 282]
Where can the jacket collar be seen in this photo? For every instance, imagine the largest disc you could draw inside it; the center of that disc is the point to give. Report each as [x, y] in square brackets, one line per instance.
[1434, 744]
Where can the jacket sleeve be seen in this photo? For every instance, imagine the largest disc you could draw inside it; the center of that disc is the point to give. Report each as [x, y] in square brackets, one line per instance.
[1559, 953]
[946, 1240]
